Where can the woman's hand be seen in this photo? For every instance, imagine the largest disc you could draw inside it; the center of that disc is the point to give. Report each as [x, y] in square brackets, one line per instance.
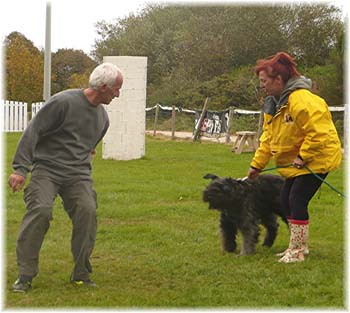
[253, 173]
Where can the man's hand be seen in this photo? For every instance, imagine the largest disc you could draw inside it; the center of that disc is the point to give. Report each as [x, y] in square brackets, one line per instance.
[16, 182]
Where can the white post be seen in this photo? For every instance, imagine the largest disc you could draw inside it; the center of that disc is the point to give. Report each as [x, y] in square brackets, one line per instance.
[346, 131]
[47, 59]
[25, 116]
[17, 107]
[125, 139]
[7, 116]
[12, 107]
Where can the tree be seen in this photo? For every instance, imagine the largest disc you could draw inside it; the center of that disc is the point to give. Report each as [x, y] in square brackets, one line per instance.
[67, 63]
[189, 46]
[311, 31]
[24, 69]
[79, 80]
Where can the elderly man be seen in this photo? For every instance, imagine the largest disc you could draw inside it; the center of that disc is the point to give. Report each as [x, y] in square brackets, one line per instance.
[56, 148]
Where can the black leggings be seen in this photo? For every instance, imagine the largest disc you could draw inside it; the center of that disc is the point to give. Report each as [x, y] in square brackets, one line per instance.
[296, 194]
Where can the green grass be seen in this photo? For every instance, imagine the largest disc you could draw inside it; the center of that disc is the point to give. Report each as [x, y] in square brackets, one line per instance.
[158, 245]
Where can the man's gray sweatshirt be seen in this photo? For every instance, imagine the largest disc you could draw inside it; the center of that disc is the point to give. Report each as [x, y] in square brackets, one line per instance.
[62, 135]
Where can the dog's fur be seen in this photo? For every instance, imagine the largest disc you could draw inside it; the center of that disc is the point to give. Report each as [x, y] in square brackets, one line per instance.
[243, 205]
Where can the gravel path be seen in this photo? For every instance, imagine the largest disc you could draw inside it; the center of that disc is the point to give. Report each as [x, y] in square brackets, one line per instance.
[188, 135]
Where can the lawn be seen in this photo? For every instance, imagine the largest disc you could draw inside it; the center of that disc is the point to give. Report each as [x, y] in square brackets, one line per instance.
[158, 245]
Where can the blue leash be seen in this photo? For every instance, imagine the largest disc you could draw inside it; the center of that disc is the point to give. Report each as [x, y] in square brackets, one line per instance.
[311, 172]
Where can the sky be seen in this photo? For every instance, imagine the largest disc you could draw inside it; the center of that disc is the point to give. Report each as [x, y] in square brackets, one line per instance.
[72, 21]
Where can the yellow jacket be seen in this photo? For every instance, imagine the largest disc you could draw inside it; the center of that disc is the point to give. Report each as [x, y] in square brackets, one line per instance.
[304, 127]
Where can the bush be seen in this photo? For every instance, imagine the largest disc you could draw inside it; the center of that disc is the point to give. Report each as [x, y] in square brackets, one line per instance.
[326, 84]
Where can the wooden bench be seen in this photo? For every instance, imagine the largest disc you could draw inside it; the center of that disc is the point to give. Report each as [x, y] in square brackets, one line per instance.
[245, 140]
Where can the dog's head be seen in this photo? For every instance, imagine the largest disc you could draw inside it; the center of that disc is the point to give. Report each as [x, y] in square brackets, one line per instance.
[223, 193]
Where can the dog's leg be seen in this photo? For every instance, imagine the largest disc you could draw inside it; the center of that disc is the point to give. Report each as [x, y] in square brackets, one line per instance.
[228, 230]
[250, 235]
[271, 225]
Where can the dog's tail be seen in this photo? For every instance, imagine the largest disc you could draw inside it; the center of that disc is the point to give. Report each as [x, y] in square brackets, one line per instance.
[210, 176]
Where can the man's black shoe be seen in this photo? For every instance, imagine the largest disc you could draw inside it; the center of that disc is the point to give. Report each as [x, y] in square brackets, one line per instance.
[22, 285]
[86, 282]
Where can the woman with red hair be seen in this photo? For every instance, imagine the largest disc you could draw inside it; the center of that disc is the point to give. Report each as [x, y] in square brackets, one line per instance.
[298, 130]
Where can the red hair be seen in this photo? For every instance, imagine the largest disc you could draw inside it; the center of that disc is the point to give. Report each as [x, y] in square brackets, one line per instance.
[280, 64]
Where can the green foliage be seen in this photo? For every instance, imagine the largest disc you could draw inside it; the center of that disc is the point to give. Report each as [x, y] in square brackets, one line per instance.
[24, 69]
[71, 69]
[338, 119]
[199, 41]
[193, 50]
[183, 121]
[236, 88]
[158, 245]
[312, 31]
[326, 83]
[245, 122]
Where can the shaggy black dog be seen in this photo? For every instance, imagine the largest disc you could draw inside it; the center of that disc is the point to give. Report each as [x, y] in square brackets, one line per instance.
[244, 204]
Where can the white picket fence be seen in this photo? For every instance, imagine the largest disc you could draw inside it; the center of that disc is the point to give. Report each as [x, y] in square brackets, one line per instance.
[15, 116]
[36, 107]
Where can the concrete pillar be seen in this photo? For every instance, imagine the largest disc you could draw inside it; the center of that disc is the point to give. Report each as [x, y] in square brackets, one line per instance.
[125, 138]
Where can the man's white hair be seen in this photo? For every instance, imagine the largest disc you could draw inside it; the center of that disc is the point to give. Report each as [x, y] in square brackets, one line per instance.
[104, 74]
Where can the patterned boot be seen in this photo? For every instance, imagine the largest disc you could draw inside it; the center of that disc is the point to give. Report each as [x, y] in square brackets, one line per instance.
[299, 234]
[306, 251]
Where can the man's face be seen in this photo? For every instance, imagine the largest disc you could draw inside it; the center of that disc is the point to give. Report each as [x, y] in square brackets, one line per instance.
[109, 93]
